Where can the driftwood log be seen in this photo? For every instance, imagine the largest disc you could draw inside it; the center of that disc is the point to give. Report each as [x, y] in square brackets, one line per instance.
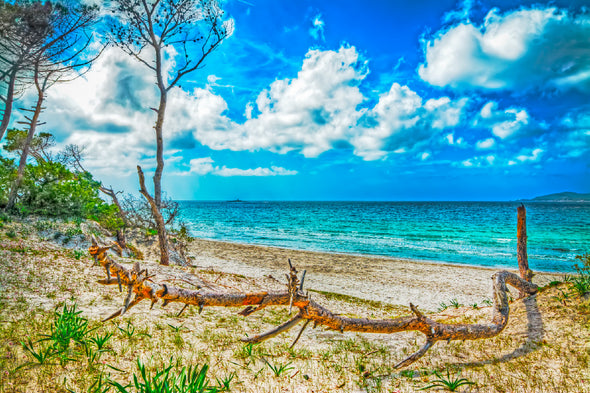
[139, 286]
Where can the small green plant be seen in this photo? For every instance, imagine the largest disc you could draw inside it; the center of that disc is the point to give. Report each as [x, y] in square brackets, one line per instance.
[187, 380]
[448, 383]
[100, 341]
[129, 331]
[77, 254]
[40, 356]
[151, 232]
[442, 306]
[11, 234]
[67, 326]
[455, 303]
[475, 306]
[562, 297]
[487, 302]
[223, 384]
[176, 329]
[278, 368]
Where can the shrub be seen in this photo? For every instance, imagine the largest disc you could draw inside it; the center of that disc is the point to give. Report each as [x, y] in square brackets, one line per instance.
[581, 282]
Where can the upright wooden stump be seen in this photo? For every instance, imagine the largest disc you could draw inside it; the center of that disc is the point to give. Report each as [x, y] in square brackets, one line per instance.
[523, 261]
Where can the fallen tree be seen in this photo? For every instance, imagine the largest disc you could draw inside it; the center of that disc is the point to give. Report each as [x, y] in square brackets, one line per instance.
[139, 286]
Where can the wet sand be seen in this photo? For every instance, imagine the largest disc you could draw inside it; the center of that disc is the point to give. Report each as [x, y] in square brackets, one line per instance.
[395, 281]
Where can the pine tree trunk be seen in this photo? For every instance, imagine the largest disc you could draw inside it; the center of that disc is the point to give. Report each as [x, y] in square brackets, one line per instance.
[23, 158]
[8, 103]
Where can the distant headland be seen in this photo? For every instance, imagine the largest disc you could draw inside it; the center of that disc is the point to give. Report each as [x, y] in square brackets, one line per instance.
[560, 197]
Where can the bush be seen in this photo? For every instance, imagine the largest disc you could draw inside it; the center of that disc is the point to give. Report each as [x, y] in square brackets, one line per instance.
[581, 282]
[50, 189]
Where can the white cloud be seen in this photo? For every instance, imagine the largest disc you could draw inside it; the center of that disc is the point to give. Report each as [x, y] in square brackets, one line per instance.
[272, 171]
[317, 28]
[485, 144]
[532, 156]
[502, 123]
[204, 166]
[401, 120]
[478, 162]
[309, 113]
[524, 49]
[201, 166]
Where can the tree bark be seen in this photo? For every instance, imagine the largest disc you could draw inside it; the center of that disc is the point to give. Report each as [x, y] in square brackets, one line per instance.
[160, 224]
[8, 101]
[23, 158]
[159, 139]
[523, 262]
[139, 282]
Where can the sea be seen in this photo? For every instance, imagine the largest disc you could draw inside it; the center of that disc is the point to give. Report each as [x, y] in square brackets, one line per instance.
[469, 233]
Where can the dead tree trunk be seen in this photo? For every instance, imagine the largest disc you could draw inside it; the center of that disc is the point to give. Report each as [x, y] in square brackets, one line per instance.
[157, 214]
[139, 286]
[523, 262]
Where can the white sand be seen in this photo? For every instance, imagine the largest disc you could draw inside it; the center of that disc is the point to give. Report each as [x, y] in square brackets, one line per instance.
[394, 281]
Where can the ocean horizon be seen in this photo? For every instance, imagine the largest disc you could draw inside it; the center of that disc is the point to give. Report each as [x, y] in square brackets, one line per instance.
[477, 233]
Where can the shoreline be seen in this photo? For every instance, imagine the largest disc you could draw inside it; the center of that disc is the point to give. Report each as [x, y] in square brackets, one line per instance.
[390, 280]
[378, 256]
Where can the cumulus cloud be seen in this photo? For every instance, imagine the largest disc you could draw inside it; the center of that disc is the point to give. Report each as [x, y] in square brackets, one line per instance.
[309, 113]
[204, 166]
[400, 120]
[537, 48]
[321, 109]
[502, 123]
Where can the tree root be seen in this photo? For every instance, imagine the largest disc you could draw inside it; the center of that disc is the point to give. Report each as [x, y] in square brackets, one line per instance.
[140, 283]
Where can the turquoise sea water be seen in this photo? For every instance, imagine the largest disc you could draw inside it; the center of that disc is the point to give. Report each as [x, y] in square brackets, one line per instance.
[473, 233]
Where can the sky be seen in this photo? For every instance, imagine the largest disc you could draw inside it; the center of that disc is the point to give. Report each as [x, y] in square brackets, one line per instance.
[352, 100]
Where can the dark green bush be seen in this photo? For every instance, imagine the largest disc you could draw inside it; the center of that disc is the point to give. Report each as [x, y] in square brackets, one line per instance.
[50, 189]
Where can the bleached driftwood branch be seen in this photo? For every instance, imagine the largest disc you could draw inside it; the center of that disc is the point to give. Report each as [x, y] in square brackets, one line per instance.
[139, 286]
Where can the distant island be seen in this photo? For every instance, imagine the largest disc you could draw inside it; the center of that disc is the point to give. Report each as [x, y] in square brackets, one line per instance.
[560, 197]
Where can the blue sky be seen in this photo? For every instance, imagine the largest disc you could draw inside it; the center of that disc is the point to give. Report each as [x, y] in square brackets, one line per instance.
[351, 100]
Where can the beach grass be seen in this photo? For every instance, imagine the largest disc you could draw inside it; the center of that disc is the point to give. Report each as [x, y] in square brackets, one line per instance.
[543, 349]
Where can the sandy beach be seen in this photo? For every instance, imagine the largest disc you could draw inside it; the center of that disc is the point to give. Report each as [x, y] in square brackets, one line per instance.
[394, 281]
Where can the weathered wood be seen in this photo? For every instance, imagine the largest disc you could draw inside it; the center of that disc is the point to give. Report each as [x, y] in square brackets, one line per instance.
[144, 288]
[523, 261]
[157, 215]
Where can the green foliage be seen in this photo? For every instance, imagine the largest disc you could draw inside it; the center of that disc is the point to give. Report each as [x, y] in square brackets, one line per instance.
[50, 189]
[7, 176]
[15, 141]
[278, 368]
[69, 337]
[40, 356]
[68, 326]
[581, 281]
[187, 380]
[449, 383]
